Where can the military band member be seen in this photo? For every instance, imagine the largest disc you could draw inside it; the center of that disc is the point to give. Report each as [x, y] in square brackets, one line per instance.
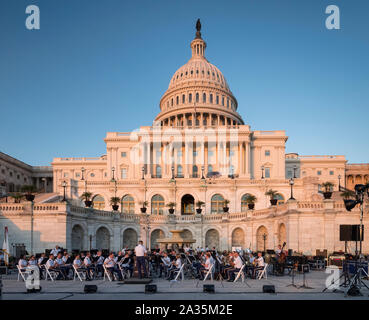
[111, 266]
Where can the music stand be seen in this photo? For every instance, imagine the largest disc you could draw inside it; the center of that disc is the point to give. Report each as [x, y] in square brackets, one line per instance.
[292, 284]
[304, 284]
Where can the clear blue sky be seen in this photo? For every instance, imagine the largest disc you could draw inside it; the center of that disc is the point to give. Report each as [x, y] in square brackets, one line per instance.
[98, 66]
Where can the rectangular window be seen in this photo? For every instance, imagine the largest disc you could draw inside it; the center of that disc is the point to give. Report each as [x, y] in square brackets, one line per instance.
[319, 173]
[65, 174]
[267, 172]
[331, 173]
[124, 173]
[289, 174]
[123, 154]
[78, 175]
[267, 153]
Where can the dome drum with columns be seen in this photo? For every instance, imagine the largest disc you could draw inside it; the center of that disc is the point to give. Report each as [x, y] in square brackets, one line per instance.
[198, 94]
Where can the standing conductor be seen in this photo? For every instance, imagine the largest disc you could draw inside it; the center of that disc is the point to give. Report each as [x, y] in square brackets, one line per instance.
[140, 252]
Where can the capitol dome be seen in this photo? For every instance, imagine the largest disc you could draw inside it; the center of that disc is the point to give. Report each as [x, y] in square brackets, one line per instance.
[198, 93]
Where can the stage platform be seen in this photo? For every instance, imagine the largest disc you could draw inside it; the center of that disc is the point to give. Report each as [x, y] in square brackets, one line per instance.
[186, 290]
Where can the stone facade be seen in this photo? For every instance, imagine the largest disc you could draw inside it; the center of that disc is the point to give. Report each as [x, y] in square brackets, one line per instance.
[15, 173]
[305, 225]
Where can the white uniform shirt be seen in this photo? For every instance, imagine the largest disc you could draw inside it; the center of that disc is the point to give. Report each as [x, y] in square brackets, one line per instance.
[87, 261]
[178, 263]
[110, 263]
[59, 261]
[77, 262]
[260, 262]
[65, 259]
[140, 250]
[40, 260]
[208, 263]
[238, 263]
[22, 263]
[50, 263]
[55, 252]
[32, 262]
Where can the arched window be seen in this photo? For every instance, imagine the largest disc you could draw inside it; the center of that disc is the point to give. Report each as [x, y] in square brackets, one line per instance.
[128, 204]
[244, 206]
[172, 102]
[217, 203]
[98, 202]
[204, 97]
[197, 97]
[177, 100]
[217, 101]
[195, 171]
[211, 98]
[158, 172]
[190, 98]
[280, 199]
[179, 171]
[183, 98]
[157, 204]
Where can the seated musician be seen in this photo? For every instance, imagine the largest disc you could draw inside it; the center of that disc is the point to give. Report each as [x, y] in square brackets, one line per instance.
[112, 267]
[55, 251]
[90, 268]
[227, 264]
[32, 261]
[62, 266]
[237, 267]
[52, 265]
[99, 261]
[259, 264]
[165, 265]
[205, 267]
[22, 263]
[126, 264]
[177, 264]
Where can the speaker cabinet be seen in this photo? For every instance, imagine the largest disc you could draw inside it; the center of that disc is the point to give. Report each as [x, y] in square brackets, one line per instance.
[268, 289]
[208, 288]
[351, 232]
[150, 288]
[90, 288]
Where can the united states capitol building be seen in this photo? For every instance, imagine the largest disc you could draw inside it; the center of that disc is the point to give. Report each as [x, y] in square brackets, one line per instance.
[199, 148]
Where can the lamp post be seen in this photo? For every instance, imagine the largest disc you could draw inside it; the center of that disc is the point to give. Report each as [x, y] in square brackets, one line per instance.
[172, 172]
[143, 173]
[339, 182]
[292, 182]
[83, 178]
[112, 171]
[264, 239]
[202, 172]
[30, 197]
[294, 171]
[147, 229]
[64, 185]
[262, 172]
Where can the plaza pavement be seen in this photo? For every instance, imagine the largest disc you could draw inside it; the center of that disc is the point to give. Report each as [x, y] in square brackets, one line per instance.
[186, 290]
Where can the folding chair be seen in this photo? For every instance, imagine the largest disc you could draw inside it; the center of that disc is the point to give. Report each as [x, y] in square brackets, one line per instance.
[241, 274]
[210, 272]
[22, 273]
[50, 273]
[124, 272]
[79, 273]
[107, 273]
[263, 273]
[178, 272]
